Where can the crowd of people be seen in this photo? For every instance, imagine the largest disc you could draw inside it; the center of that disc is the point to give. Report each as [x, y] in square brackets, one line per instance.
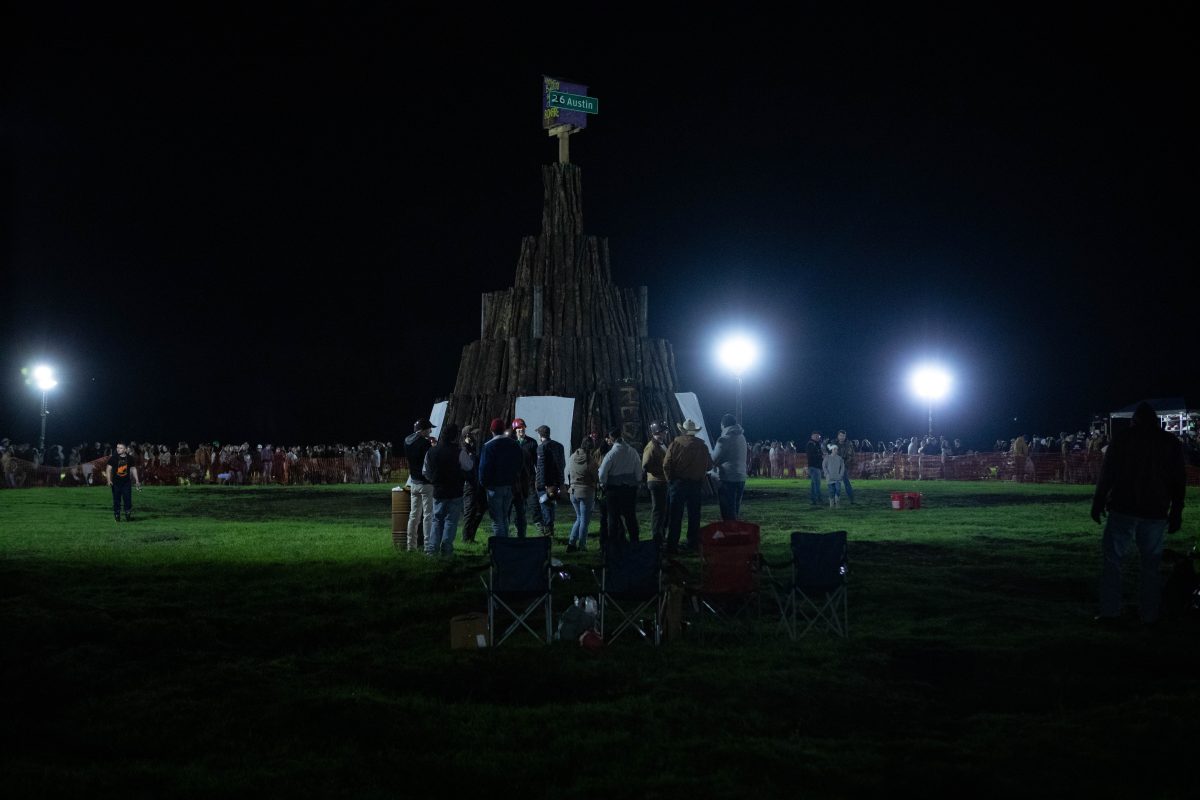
[208, 462]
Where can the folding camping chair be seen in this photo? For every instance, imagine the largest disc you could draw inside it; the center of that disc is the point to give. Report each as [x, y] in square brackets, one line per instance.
[630, 585]
[518, 576]
[730, 567]
[816, 594]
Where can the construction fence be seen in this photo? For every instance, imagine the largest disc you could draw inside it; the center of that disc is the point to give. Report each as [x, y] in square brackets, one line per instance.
[1074, 468]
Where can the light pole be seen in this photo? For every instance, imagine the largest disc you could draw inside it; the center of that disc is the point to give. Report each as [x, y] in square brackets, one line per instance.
[44, 377]
[738, 353]
[930, 382]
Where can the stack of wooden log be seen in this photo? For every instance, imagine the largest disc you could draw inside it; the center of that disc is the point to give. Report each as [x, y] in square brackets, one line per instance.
[565, 329]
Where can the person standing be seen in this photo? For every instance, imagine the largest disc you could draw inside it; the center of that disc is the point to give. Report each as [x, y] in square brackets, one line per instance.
[1141, 487]
[729, 456]
[815, 459]
[847, 451]
[834, 468]
[620, 474]
[656, 482]
[548, 478]
[1020, 453]
[500, 465]
[523, 494]
[583, 478]
[446, 466]
[122, 475]
[420, 520]
[685, 465]
[474, 499]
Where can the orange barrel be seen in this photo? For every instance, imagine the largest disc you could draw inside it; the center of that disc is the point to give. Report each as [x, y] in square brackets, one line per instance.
[401, 506]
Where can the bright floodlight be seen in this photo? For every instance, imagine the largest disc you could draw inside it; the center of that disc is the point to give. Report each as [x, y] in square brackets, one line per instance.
[44, 377]
[930, 383]
[738, 353]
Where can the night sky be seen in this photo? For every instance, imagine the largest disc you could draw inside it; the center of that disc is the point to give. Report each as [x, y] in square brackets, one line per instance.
[277, 228]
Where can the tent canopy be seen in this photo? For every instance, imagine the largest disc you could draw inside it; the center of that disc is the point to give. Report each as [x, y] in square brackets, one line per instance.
[1163, 406]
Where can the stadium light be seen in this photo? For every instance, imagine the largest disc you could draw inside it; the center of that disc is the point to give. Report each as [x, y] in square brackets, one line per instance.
[930, 382]
[43, 378]
[738, 353]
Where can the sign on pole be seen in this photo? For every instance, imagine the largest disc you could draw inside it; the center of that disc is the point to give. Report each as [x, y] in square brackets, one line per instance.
[554, 116]
[574, 102]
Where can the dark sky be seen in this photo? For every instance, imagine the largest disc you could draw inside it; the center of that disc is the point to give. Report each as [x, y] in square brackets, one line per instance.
[277, 227]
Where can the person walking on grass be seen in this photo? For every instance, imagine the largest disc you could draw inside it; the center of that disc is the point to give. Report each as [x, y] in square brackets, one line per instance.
[656, 482]
[548, 478]
[835, 472]
[1141, 487]
[420, 519]
[501, 463]
[583, 476]
[122, 475]
[620, 473]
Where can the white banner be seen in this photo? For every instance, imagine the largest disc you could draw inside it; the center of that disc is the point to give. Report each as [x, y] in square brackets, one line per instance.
[689, 404]
[438, 415]
[557, 413]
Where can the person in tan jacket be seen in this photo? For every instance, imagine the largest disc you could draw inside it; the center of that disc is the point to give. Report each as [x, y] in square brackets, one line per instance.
[685, 465]
[656, 481]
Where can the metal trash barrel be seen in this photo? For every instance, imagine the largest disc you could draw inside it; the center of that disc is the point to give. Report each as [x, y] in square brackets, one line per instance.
[401, 506]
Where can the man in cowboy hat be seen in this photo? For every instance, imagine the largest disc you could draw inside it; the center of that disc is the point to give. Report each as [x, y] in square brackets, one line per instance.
[685, 464]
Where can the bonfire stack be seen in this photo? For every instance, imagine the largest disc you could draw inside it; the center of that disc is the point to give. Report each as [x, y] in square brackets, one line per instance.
[565, 329]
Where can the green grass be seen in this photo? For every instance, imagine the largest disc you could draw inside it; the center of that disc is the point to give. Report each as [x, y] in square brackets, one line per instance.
[271, 641]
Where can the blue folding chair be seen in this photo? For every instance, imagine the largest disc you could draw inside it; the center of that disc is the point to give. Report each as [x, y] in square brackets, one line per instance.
[630, 585]
[518, 577]
[816, 595]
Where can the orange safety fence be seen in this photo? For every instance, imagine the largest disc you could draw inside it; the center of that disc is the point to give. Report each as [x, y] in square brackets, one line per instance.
[19, 473]
[1076, 468]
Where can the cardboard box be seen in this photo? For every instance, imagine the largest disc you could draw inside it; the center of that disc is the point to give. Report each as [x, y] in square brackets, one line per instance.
[468, 631]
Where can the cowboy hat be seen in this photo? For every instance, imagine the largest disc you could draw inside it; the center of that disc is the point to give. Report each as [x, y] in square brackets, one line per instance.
[689, 428]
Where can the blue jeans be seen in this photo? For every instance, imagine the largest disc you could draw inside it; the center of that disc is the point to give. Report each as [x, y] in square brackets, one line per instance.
[583, 516]
[681, 494]
[1120, 533]
[834, 489]
[730, 498]
[814, 491]
[499, 500]
[446, 514]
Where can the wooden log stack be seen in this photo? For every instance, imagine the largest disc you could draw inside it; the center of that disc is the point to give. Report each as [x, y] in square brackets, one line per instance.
[589, 341]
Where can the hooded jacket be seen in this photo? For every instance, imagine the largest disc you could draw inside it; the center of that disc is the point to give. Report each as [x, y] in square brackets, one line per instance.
[581, 471]
[415, 448]
[1143, 473]
[729, 456]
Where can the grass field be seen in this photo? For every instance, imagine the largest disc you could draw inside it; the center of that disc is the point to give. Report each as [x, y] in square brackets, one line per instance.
[269, 641]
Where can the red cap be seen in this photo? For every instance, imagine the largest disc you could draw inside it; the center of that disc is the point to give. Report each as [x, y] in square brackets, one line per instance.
[497, 426]
[518, 423]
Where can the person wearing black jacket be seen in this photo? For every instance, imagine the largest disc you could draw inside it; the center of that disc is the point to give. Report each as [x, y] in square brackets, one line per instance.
[525, 501]
[1141, 487]
[548, 476]
[446, 467]
[420, 519]
[815, 460]
[474, 499]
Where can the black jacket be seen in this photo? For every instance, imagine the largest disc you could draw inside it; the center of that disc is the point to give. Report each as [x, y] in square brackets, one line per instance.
[415, 448]
[445, 471]
[815, 457]
[1143, 474]
[551, 460]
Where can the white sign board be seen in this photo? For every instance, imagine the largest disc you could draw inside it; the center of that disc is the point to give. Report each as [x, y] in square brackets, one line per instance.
[557, 413]
[438, 416]
[689, 404]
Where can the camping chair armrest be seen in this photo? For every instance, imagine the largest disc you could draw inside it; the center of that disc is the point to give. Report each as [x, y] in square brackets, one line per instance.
[777, 565]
